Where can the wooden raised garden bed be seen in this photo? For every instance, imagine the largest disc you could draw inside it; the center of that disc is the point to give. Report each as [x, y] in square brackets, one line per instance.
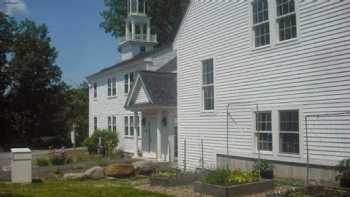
[233, 190]
[180, 179]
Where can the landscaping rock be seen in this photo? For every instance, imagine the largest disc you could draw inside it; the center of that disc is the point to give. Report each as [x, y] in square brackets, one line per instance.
[144, 167]
[74, 176]
[95, 173]
[119, 170]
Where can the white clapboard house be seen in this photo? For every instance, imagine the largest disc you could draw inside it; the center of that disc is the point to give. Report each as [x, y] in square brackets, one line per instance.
[248, 74]
[137, 97]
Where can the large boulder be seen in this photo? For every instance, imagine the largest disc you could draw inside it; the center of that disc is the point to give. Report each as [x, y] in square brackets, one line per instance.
[74, 176]
[119, 170]
[95, 173]
[144, 167]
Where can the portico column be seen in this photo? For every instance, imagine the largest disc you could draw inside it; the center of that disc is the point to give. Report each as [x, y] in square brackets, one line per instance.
[136, 153]
[127, 31]
[133, 30]
[140, 129]
[159, 137]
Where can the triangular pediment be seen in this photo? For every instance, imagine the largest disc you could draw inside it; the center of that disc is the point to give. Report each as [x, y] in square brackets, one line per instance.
[140, 96]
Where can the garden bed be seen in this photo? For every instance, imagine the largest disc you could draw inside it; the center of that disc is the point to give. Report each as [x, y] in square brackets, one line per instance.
[233, 190]
[314, 191]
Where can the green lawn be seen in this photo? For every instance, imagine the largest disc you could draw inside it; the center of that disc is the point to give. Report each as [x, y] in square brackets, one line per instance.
[74, 189]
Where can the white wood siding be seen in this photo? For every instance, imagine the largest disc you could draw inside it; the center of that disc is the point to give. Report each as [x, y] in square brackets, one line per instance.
[104, 106]
[311, 72]
[141, 96]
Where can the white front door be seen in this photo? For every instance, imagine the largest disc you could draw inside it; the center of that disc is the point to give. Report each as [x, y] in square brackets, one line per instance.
[149, 138]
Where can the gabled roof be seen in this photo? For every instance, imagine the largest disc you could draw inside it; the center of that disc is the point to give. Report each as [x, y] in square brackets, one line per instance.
[160, 87]
[139, 57]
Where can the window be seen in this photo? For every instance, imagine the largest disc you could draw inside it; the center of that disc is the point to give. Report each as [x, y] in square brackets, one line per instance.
[109, 123]
[126, 125]
[263, 130]
[289, 131]
[137, 120]
[261, 26]
[131, 125]
[114, 87]
[95, 90]
[141, 6]
[208, 84]
[95, 123]
[286, 19]
[131, 80]
[126, 83]
[114, 124]
[133, 6]
[109, 87]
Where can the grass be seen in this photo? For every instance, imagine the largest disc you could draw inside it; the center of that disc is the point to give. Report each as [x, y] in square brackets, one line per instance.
[75, 189]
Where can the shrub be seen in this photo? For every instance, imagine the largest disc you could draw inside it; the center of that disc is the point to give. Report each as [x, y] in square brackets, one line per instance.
[263, 165]
[227, 177]
[344, 169]
[109, 140]
[43, 161]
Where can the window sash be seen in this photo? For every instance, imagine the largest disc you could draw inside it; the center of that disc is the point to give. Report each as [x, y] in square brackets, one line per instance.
[131, 77]
[131, 125]
[284, 7]
[263, 121]
[114, 124]
[289, 135]
[208, 97]
[208, 84]
[289, 143]
[126, 125]
[264, 141]
[95, 90]
[109, 123]
[126, 83]
[260, 11]
[114, 87]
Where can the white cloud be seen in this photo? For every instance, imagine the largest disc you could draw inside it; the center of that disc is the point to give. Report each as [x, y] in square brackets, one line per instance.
[13, 7]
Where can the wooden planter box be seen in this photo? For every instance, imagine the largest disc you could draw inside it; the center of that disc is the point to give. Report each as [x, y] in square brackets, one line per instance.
[174, 180]
[233, 190]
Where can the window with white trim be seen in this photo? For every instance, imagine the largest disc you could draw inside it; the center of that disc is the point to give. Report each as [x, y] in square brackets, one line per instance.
[126, 125]
[131, 76]
[208, 84]
[137, 119]
[131, 125]
[109, 87]
[286, 19]
[109, 123]
[95, 123]
[289, 131]
[114, 123]
[263, 128]
[114, 86]
[126, 83]
[95, 90]
[261, 24]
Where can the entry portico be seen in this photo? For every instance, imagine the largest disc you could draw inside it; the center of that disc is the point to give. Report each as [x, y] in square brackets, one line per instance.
[153, 100]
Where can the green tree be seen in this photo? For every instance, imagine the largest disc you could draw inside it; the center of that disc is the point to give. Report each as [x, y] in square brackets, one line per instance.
[77, 106]
[166, 17]
[34, 92]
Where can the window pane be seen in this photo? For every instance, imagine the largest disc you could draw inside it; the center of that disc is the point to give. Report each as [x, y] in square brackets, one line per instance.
[114, 85]
[289, 143]
[263, 121]
[285, 6]
[131, 125]
[141, 6]
[208, 97]
[126, 83]
[134, 6]
[126, 126]
[289, 120]
[109, 87]
[262, 34]
[260, 11]
[264, 141]
[208, 74]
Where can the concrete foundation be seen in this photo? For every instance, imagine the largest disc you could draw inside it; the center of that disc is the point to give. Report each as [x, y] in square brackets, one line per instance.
[318, 173]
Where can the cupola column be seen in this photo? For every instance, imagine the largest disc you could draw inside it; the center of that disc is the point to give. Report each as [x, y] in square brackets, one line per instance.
[127, 31]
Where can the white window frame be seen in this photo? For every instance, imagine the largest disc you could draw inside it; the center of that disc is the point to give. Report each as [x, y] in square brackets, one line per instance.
[129, 82]
[95, 90]
[207, 85]
[276, 154]
[109, 123]
[114, 86]
[95, 123]
[291, 132]
[256, 132]
[109, 87]
[278, 40]
[114, 124]
[252, 25]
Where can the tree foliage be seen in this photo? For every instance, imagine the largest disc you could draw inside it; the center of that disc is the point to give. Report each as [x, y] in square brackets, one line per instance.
[166, 17]
[34, 101]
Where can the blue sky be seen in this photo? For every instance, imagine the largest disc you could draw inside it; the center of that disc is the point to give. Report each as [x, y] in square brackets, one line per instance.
[83, 46]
